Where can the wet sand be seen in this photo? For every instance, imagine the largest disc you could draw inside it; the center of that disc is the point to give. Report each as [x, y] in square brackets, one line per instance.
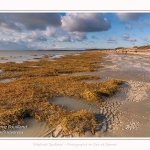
[134, 111]
[127, 114]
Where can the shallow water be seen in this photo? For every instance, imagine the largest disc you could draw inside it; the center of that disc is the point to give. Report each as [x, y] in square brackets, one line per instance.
[5, 80]
[75, 104]
[30, 55]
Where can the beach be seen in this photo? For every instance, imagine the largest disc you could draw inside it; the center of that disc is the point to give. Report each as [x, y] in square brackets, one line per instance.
[125, 114]
[133, 111]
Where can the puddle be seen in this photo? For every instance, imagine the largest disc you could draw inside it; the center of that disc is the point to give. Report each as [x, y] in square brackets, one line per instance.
[57, 56]
[74, 104]
[5, 80]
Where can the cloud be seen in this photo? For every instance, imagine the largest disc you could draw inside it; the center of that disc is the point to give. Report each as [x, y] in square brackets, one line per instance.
[13, 43]
[30, 36]
[60, 47]
[50, 32]
[33, 36]
[26, 40]
[85, 22]
[30, 21]
[78, 36]
[6, 23]
[127, 37]
[128, 26]
[132, 40]
[129, 16]
[64, 39]
[112, 40]
[94, 37]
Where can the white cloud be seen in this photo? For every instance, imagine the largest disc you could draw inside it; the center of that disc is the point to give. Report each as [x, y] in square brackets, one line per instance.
[132, 40]
[78, 36]
[59, 47]
[33, 36]
[85, 22]
[127, 37]
[24, 40]
[13, 43]
[64, 39]
[50, 32]
[111, 40]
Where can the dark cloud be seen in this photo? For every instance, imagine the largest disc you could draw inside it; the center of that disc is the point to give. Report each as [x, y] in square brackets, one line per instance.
[2, 18]
[85, 22]
[6, 23]
[31, 21]
[127, 37]
[129, 16]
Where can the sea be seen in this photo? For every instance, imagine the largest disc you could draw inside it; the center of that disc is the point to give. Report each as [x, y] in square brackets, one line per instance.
[20, 56]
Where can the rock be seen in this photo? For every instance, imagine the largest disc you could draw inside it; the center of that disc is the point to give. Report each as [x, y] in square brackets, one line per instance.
[57, 131]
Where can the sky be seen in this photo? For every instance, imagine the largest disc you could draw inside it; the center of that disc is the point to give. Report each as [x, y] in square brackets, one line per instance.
[73, 30]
